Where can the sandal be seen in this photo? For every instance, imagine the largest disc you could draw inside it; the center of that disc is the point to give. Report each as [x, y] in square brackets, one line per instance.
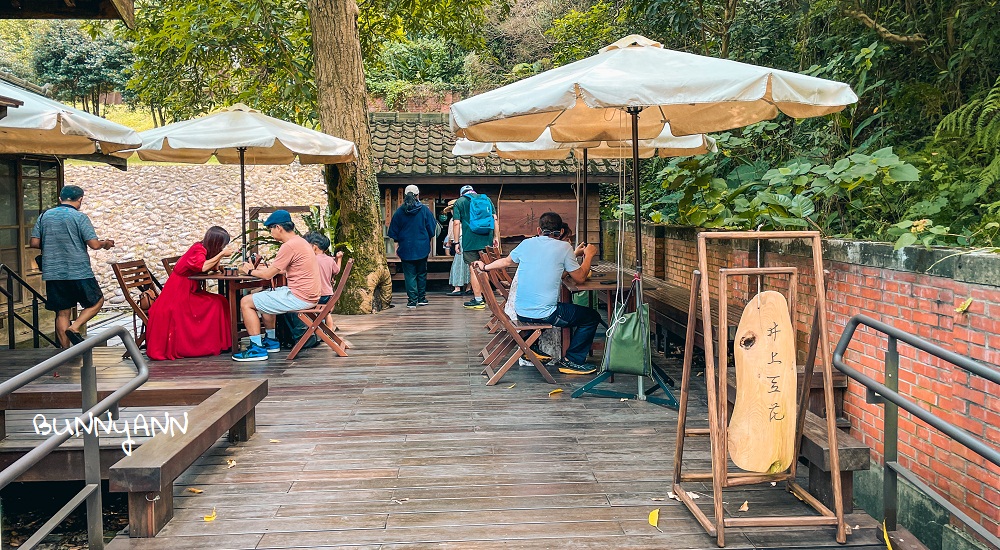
[455, 293]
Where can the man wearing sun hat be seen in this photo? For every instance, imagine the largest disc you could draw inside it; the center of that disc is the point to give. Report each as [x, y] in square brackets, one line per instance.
[298, 263]
[472, 243]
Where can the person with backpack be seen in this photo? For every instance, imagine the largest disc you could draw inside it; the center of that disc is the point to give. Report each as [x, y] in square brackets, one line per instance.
[413, 227]
[476, 221]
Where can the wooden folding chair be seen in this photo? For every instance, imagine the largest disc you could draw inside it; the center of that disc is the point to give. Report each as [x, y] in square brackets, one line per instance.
[135, 279]
[497, 367]
[169, 263]
[315, 319]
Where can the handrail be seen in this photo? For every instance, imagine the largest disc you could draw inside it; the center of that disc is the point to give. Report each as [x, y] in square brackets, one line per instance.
[91, 493]
[12, 276]
[892, 400]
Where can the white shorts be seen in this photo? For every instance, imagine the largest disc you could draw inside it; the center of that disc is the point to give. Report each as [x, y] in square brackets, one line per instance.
[279, 300]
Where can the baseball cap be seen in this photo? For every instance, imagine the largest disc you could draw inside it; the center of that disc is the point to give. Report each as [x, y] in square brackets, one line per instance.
[466, 189]
[276, 217]
[411, 189]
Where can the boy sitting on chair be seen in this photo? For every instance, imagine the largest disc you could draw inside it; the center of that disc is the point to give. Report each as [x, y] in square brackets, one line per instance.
[541, 262]
[297, 261]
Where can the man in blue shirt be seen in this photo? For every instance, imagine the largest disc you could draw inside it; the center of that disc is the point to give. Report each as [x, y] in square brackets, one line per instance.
[541, 262]
[64, 234]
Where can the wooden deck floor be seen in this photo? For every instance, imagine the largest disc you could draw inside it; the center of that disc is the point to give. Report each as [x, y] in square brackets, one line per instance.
[402, 445]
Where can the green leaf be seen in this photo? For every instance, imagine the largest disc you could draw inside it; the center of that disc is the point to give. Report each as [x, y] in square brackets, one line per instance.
[906, 239]
[904, 172]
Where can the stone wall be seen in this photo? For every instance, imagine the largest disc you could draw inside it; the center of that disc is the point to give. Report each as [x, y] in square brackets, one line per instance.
[916, 290]
[157, 211]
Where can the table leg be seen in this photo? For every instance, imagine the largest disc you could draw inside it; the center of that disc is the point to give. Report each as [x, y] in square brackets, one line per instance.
[233, 293]
[565, 296]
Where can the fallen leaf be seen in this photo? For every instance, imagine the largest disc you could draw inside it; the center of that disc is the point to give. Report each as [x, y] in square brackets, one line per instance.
[774, 483]
[885, 535]
[211, 517]
[671, 495]
[657, 499]
[746, 506]
[693, 495]
[195, 491]
[848, 530]
[654, 518]
[275, 441]
[512, 385]
[965, 305]
[624, 399]
[230, 463]
[555, 391]
[700, 374]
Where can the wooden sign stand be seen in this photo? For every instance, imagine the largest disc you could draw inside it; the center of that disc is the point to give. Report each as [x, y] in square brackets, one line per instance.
[716, 380]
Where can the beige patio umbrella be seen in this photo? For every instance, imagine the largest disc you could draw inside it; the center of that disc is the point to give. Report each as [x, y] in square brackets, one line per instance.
[632, 89]
[241, 135]
[545, 148]
[46, 127]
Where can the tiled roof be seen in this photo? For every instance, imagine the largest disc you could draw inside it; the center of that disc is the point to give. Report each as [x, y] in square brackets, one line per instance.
[420, 144]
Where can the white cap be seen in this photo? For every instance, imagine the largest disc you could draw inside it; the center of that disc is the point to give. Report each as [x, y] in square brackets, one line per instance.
[412, 189]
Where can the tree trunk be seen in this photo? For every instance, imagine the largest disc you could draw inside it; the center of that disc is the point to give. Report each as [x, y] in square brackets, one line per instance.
[343, 111]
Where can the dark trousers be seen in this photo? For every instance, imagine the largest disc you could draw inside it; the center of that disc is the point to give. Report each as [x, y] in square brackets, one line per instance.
[415, 277]
[583, 319]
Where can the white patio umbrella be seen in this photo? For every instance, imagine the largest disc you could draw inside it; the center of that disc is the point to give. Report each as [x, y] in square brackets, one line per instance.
[46, 127]
[545, 148]
[241, 135]
[634, 87]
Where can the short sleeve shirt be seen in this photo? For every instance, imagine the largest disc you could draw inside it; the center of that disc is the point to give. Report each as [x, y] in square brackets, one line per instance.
[471, 241]
[297, 261]
[327, 269]
[64, 232]
[541, 262]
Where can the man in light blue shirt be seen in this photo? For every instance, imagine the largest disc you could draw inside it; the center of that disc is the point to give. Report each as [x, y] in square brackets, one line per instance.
[64, 234]
[541, 262]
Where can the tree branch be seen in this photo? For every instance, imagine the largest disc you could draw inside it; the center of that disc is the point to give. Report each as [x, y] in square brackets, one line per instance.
[913, 40]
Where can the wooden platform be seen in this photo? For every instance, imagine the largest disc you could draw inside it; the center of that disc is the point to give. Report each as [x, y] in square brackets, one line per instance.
[402, 445]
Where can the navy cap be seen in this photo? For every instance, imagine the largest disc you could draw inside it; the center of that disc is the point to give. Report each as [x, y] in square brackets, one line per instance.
[276, 217]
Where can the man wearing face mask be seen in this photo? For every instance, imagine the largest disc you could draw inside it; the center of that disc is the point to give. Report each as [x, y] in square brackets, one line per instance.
[541, 262]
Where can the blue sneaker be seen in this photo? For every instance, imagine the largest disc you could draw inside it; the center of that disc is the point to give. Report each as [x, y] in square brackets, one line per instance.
[252, 353]
[270, 345]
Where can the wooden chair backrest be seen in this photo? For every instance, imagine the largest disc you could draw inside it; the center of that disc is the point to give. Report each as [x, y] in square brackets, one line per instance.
[345, 272]
[134, 278]
[169, 263]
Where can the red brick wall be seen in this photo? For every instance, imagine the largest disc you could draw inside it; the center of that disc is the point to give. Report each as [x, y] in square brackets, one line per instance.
[902, 295]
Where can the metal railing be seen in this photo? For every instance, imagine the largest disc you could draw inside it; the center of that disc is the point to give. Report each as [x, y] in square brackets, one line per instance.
[888, 395]
[91, 493]
[7, 290]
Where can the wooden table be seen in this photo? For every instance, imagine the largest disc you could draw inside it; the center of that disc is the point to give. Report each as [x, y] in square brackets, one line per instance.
[231, 285]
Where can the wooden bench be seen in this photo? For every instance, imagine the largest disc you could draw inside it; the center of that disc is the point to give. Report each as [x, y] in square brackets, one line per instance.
[815, 451]
[148, 475]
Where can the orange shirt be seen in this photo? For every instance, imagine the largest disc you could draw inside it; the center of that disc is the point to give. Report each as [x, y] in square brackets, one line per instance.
[298, 262]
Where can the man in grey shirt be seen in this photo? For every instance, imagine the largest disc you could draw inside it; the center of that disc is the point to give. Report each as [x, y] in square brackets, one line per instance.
[64, 234]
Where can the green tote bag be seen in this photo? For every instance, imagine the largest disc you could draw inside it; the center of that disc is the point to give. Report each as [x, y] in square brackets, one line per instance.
[626, 349]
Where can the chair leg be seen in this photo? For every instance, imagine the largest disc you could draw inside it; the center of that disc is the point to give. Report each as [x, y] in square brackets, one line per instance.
[310, 330]
[505, 345]
[506, 367]
[530, 355]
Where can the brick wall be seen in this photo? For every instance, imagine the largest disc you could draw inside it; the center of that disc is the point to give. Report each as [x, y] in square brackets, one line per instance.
[915, 290]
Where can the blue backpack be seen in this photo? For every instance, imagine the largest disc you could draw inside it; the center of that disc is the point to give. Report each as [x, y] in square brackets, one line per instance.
[480, 214]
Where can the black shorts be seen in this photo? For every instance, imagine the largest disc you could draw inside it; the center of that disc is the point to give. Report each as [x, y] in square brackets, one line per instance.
[471, 256]
[66, 294]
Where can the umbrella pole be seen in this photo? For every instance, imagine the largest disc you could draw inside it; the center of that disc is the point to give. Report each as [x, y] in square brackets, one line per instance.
[243, 200]
[583, 197]
[634, 111]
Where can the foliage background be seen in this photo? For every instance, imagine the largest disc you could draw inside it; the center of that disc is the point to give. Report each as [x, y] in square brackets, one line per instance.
[916, 160]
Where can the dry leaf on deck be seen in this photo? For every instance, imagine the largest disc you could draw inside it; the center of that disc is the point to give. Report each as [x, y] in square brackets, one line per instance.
[195, 491]
[654, 518]
[746, 506]
[885, 537]
[275, 441]
[230, 463]
[659, 499]
[512, 385]
[965, 305]
[624, 399]
[211, 517]
[555, 391]
[672, 495]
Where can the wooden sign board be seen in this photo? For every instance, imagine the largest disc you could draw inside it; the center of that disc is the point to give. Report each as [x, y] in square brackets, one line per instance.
[520, 217]
[762, 429]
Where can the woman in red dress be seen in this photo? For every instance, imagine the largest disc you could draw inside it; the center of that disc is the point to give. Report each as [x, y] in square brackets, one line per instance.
[186, 320]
